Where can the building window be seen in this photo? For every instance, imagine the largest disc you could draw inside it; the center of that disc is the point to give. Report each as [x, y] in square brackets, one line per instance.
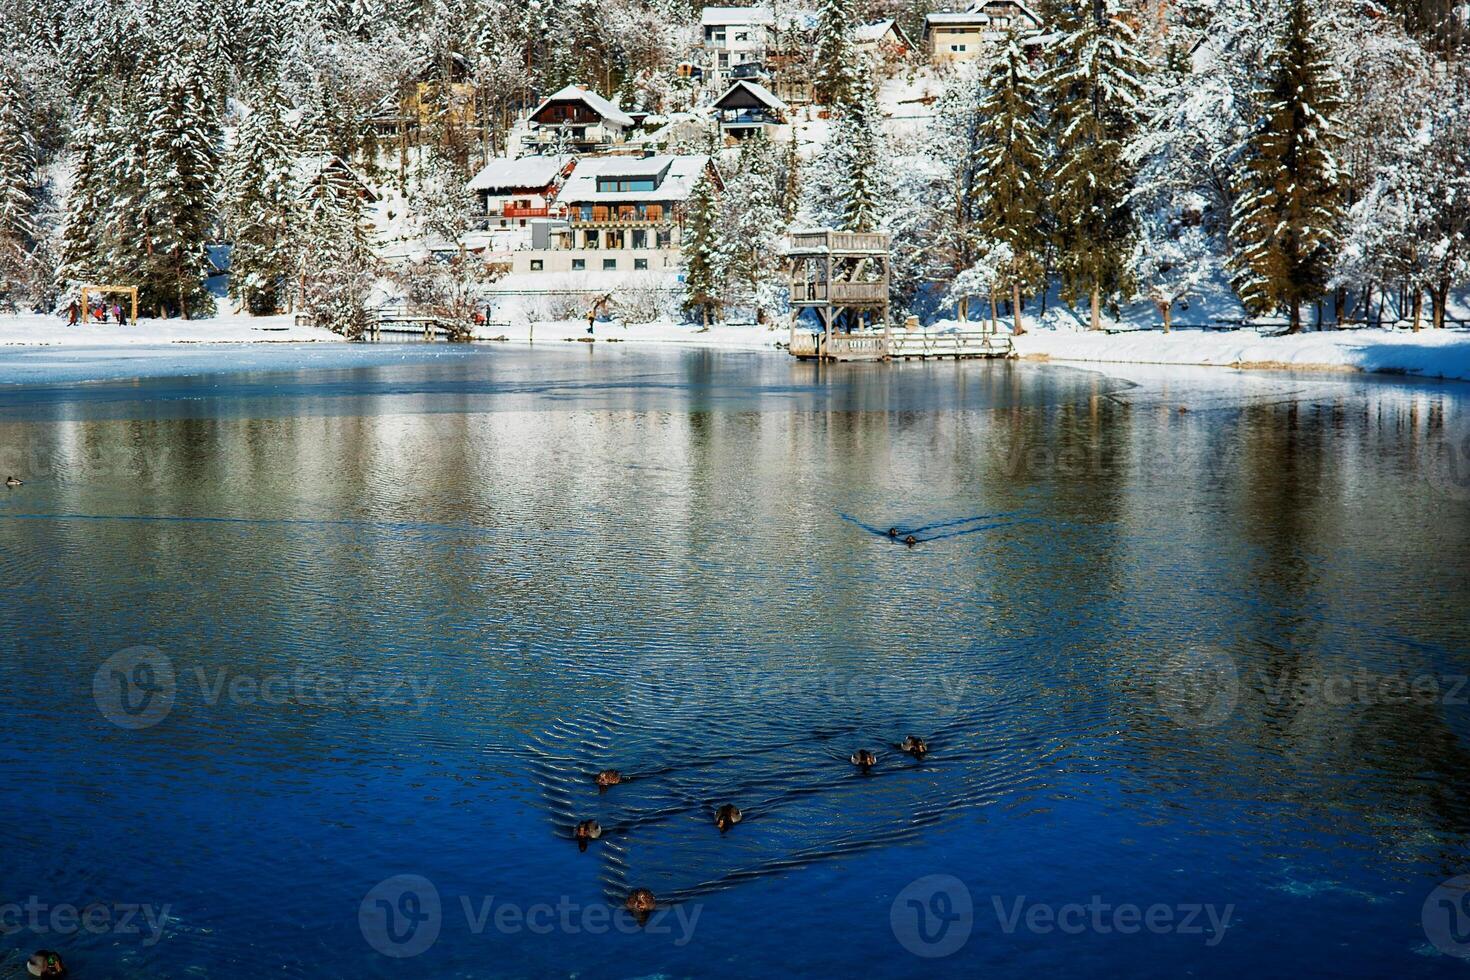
[742, 36]
[957, 47]
[609, 264]
[589, 239]
[640, 263]
[536, 265]
[664, 237]
[640, 238]
[578, 265]
[607, 185]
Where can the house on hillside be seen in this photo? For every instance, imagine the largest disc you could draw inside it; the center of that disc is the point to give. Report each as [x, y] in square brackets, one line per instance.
[747, 108]
[883, 41]
[951, 37]
[512, 192]
[735, 41]
[575, 120]
[624, 214]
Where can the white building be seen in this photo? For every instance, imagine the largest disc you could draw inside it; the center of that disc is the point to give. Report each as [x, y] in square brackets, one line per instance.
[735, 42]
[512, 192]
[624, 214]
[575, 120]
[952, 37]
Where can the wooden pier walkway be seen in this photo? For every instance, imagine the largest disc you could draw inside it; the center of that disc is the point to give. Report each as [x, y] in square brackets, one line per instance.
[900, 345]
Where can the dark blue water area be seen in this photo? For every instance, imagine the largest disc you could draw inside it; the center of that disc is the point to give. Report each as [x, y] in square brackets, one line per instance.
[312, 669]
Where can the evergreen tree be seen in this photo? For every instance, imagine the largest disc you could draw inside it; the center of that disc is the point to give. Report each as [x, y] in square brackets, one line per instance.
[704, 261]
[81, 251]
[1095, 87]
[832, 84]
[336, 267]
[180, 179]
[861, 151]
[754, 227]
[17, 188]
[260, 204]
[1010, 164]
[1289, 205]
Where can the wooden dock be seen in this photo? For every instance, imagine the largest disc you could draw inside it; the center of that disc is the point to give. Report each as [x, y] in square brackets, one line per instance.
[900, 345]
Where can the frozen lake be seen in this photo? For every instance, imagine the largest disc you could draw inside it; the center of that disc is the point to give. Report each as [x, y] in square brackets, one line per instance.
[312, 655]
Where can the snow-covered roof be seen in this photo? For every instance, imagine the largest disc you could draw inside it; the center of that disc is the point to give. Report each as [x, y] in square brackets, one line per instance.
[529, 173]
[679, 175]
[979, 6]
[978, 15]
[604, 108]
[759, 92]
[730, 16]
[872, 33]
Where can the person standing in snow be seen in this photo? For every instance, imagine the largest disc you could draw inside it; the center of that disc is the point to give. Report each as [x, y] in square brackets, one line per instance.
[73, 313]
[122, 315]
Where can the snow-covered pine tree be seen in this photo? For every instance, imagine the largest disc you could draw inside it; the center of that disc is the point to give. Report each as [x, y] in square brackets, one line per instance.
[260, 205]
[833, 81]
[1287, 213]
[180, 184]
[17, 188]
[81, 247]
[1095, 87]
[703, 252]
[862, 152]
[336, 267]
[754, 227]
[1010, 157]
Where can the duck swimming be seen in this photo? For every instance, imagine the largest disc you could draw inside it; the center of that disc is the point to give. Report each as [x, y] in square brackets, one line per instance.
[893, 532]
[915, 746]
[45, 963]
[910, 540]
[608, 777]
[11, 481]
[641, 903]
[864, 759]
[587, 830]
[728, 816]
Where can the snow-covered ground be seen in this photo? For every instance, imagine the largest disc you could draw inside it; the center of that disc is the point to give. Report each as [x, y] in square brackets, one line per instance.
[34, 330]
[1429, 353]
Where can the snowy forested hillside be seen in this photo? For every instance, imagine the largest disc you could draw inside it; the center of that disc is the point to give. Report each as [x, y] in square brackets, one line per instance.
[1315, 154]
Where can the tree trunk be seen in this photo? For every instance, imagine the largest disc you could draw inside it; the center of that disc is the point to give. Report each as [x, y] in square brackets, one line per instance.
[1296, 317]
[994, 318]
[1166, 310]
[1096, 309]
[1418, 305]
[963, 309]
[1016, 307]
[1439, 298]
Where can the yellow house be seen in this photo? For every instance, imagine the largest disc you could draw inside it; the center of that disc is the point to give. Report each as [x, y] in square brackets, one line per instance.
[956, 36]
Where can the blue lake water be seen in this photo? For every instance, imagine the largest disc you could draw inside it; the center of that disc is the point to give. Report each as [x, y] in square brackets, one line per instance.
[307, 671]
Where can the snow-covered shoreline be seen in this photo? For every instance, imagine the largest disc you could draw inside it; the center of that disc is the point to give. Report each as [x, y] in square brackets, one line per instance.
[1434, 354]
[1430, 354]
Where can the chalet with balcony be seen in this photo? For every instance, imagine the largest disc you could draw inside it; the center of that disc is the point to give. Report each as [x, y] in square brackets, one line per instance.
[746, 108]
[512, 192]
[735, 40]
[953, 37]
[575, 120]
[624, 214]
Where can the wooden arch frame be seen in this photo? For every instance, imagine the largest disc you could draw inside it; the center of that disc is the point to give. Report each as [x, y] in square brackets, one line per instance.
[102, 290]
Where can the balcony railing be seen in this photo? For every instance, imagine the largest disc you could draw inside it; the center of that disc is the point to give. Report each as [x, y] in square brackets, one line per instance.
[838, 241]
[510, 211]
[622, 215]
[746, 117]
[838, 292]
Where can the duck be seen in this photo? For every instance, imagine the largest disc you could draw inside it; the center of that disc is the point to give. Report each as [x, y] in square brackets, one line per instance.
[864, 759]
[915, 746]
[641, 903]
[608, 777]
[728, 816]
[910, 540]
[587, 830]
[45, 963]
[893, 532]
[11, 481]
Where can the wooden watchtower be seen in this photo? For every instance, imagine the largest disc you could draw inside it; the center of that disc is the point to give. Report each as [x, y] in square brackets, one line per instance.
[844, 277]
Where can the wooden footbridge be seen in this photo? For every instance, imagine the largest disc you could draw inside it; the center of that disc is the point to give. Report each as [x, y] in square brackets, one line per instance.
[843, 277]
